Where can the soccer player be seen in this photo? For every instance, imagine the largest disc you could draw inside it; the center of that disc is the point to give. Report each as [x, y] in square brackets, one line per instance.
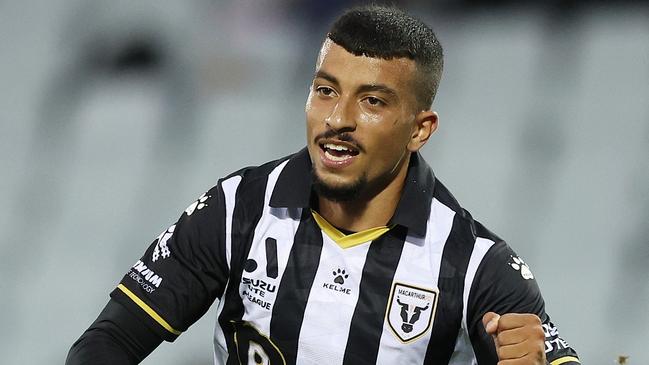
[349, 251]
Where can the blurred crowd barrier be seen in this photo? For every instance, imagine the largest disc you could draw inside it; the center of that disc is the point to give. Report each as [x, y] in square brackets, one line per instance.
[116, 115]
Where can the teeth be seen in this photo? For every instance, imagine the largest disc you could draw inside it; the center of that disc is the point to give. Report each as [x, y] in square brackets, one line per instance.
[331, 146]
[337, 158]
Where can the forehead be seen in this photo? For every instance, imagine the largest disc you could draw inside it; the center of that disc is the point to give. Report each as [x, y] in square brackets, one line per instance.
[351, 69]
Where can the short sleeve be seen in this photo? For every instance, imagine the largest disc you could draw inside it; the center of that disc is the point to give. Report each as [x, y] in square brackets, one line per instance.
[182, 272]
[504, 283]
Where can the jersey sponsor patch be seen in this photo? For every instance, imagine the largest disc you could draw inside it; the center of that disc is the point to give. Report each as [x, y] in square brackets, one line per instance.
[411, 311]
[145, 277]
[552, 340]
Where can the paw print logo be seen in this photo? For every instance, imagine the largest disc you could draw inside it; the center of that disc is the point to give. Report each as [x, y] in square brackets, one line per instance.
[519, 265]
[198, 204]
[340, 276]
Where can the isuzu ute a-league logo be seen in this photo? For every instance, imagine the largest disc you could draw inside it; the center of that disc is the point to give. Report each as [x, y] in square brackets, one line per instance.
[411, 311]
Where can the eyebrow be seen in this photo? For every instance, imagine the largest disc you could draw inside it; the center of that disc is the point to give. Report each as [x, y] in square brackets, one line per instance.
[361, 89]
[378, 87]
[327, 76]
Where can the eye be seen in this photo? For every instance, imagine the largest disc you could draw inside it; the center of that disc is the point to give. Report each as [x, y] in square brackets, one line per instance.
[325, 91]
[374, 101]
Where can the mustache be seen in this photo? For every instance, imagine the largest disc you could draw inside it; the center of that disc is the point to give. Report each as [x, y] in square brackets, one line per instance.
[343, 137]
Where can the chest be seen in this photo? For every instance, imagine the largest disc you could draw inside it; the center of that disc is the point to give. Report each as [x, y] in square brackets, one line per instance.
[312, 298]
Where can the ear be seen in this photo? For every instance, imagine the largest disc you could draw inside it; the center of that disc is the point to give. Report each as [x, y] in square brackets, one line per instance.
[425, 124]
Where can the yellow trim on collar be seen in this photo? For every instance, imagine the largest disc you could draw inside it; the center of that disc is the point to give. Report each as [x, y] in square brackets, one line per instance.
[148, 309]
[351, 240]
[564, 360]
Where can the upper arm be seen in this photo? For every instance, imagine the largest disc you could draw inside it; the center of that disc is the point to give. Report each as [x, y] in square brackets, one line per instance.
[182, 272]
[504, 284]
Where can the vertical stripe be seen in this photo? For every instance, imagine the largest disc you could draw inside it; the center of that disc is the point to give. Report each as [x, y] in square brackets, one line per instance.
[440, 224]
[229, 191]
[245, 215]
[367, 323]
[270, 251]
[271, 258]
[463, 352]
[295, 286]
[265, 265]
[419, 266]
[229, 187]
[258, 289]
[219, 342]
[482, 245]
[455, 260]
[332, 301]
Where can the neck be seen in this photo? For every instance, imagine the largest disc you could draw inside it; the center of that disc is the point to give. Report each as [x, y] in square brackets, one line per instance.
[372, 209]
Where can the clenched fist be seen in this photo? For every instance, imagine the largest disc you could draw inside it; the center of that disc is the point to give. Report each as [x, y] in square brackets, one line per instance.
[519, 338]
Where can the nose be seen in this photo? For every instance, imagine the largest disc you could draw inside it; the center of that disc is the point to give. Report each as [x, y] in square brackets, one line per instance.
[341, 119]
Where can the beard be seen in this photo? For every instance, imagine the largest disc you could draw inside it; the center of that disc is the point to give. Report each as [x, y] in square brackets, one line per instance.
[343, 193]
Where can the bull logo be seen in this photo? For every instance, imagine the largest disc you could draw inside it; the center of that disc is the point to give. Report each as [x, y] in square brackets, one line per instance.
[407, 324]
[411, 311]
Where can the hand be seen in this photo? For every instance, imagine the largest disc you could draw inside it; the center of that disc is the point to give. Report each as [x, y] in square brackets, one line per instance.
[519, 338]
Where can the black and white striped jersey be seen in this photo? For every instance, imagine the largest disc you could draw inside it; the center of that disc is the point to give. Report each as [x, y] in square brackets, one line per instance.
[291, 288]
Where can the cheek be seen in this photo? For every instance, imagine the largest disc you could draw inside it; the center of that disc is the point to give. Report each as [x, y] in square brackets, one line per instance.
[316, 111]
[309, 102]
[313, 123]
[390, 143]
[365, 116]
[309, 111]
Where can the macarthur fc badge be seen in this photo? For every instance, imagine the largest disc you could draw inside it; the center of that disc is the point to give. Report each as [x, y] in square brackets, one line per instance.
[411, 311]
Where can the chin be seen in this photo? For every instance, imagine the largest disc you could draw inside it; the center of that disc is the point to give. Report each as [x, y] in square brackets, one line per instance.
[338, 191]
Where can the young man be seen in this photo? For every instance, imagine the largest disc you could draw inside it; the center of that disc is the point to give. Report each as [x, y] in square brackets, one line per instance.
[347, 252]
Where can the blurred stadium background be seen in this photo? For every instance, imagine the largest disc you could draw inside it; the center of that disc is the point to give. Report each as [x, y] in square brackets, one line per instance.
[115, 115]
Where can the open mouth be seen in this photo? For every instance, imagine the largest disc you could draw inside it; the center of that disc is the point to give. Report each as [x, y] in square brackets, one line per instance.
[338, 152]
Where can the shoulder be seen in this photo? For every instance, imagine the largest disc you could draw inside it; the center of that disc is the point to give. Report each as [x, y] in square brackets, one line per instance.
[503, 263]
[230, 188]
[503, 283]
[494, 270]
[463, 220]
[252, 174]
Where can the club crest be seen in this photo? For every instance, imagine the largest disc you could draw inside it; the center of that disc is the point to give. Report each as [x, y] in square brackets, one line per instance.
[411, 311]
